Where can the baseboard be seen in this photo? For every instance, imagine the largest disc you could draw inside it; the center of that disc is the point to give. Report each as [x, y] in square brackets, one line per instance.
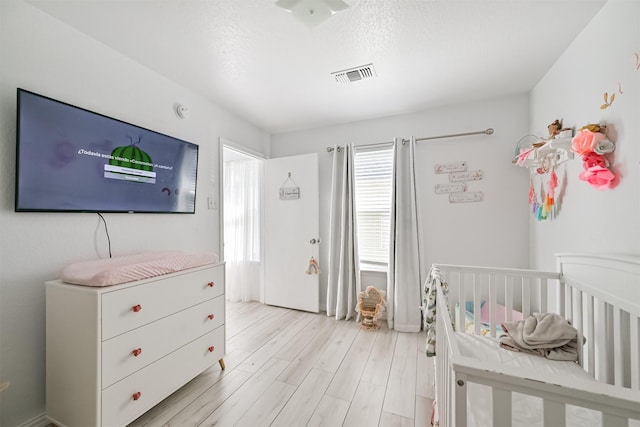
[39, 421]
[406, 328]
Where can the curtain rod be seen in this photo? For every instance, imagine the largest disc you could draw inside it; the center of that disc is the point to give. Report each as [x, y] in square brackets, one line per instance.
[488, 131]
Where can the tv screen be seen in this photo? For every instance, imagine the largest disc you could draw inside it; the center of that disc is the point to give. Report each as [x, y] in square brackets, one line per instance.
[74, 160]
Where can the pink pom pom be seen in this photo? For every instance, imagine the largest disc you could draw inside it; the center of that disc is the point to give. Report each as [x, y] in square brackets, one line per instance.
[598, 177]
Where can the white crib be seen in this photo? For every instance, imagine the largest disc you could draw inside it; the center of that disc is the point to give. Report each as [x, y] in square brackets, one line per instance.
[478, 383]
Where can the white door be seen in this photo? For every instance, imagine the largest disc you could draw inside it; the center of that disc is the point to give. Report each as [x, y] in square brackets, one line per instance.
[291, 228]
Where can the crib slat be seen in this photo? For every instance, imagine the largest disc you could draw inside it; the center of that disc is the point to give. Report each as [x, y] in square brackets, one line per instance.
[501, 407]
[601, 336]
[554, 414]
[618, 356]
[442, 377]
[443, 407]
[591, 361]
[492, 304]
[544, 283]
[611, 420]
[577, 323]
[446, 371]
[454, 297]
[569, 302]
[526, 297]
[462, 295]
[560, 298]
[635, 359]
[476, 304]
[508, 297]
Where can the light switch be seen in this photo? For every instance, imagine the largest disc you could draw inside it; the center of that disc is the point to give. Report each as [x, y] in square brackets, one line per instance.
[212, 203]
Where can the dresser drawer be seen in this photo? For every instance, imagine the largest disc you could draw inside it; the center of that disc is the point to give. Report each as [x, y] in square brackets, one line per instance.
[132, 351]
[135, 306]
[126, 400]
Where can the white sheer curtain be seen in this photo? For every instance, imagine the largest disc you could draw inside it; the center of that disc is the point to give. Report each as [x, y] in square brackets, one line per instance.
[242, 208]
[404, 279]
[342, 266]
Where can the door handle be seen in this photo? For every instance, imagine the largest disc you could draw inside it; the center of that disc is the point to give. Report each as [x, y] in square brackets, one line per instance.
[314, 241]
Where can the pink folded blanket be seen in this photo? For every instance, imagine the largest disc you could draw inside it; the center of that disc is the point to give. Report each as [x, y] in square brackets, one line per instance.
[544, 334]
[113, 271]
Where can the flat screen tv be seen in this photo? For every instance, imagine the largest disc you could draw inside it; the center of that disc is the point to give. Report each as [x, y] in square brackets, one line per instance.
[73, 160]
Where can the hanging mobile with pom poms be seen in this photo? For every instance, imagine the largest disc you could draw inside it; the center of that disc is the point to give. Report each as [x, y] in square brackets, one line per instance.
[533, 199]
[532, 193]
[553, 183]
[540, 212]
[546, 206]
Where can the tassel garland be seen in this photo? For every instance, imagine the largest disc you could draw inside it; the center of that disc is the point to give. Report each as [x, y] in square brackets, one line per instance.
[545, 209]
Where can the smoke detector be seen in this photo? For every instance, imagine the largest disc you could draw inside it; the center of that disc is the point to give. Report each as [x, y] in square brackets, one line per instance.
[354, 74]
[181, 111]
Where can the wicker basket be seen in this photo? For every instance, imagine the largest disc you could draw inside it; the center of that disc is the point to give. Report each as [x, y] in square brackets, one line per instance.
[371, 305]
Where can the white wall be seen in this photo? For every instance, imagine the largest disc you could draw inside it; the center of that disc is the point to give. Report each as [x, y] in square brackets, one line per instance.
[599, 58]
[492, 232]
[42, 54]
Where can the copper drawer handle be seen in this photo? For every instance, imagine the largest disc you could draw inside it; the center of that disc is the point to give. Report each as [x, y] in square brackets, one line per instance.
[211, 316]
[136, 308]
[211, 349]
[210, 284]
[137, 352]
[136, 395]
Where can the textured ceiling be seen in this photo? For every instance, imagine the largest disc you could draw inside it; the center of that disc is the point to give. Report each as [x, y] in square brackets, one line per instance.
[260, 63]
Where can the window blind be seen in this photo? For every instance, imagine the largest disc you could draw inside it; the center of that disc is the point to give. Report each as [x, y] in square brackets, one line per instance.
[373, 170]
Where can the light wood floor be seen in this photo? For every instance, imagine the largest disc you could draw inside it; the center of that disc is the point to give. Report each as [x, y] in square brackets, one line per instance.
[291, 368]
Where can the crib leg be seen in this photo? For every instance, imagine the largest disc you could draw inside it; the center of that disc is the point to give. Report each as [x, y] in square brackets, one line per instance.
[461, 400]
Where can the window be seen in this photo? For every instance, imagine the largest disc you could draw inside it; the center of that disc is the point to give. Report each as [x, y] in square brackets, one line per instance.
[373, 170]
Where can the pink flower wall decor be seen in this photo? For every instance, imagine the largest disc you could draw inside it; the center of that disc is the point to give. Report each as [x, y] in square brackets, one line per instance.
[590, 160]
[591, 146]
[598, 177]
[586, 141]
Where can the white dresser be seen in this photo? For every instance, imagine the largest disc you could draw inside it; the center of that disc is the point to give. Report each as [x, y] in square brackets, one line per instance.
[115, 352]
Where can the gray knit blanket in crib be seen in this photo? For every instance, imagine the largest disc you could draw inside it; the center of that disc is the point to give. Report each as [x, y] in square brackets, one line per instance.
[544, 334]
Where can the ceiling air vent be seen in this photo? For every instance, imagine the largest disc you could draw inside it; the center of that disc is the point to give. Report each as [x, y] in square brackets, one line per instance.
[355, 74]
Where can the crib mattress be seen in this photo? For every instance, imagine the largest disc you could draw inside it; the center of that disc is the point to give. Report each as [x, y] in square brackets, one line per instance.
[526, 410]
[117, 270]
